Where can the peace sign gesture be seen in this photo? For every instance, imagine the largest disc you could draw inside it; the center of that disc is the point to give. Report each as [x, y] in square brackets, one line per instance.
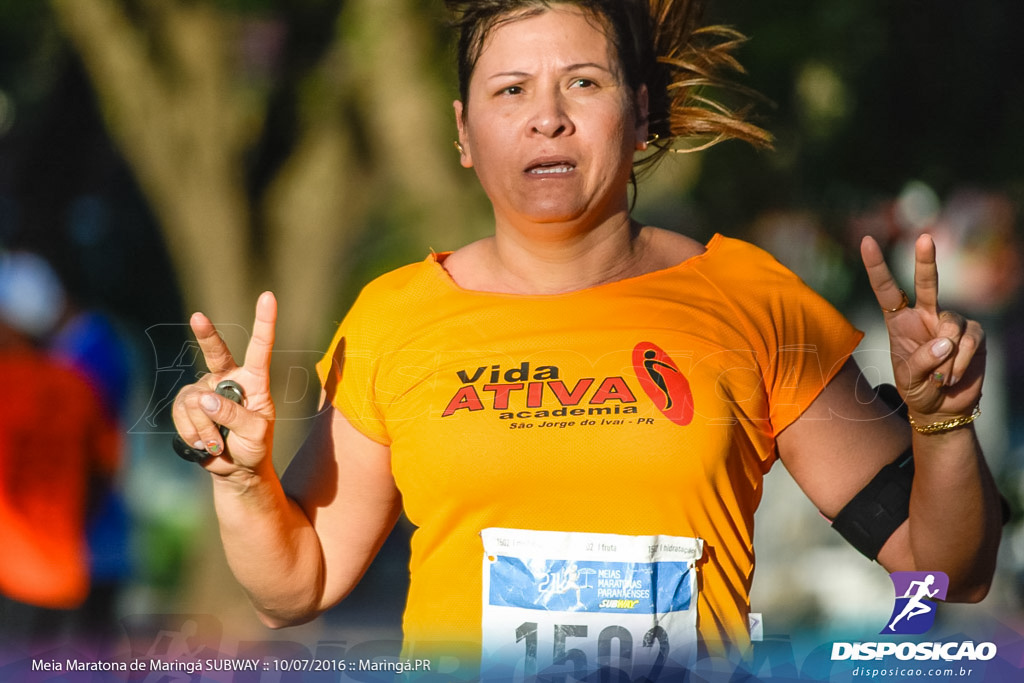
[198, 411]
[938, 356]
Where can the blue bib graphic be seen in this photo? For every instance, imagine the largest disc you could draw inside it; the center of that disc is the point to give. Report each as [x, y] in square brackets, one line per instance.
[590, 586]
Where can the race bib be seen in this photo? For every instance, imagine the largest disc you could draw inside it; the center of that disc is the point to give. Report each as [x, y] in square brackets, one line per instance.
[562, 605]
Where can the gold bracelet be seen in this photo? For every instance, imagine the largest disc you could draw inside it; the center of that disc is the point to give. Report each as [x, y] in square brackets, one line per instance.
[946, 425]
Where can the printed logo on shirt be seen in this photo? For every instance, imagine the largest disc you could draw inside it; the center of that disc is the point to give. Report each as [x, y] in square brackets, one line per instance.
[528, 392]
[914, 611]
[524, 392]
[663, 381]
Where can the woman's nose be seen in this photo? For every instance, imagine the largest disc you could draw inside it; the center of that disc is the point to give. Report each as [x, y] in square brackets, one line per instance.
[551, 117]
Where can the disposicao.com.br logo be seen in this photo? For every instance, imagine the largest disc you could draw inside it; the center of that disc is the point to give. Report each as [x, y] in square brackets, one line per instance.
[913, 613]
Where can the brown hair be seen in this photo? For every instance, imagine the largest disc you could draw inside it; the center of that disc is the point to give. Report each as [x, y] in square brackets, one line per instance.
[659, 44]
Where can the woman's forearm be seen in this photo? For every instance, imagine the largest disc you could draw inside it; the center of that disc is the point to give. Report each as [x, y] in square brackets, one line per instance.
[955, 516]
[272, 549]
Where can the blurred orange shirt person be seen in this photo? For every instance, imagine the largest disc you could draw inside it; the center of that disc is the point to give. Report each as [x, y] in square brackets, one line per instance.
[54, 439]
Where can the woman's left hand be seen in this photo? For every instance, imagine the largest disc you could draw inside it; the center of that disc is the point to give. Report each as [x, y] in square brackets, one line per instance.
[938, 356]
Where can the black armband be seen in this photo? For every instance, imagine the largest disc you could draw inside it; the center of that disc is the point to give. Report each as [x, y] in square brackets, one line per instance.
[872, 516]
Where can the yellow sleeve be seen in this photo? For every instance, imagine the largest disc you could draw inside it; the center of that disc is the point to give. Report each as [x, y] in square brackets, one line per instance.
[347, 372]
[351, 369]
[800, 340]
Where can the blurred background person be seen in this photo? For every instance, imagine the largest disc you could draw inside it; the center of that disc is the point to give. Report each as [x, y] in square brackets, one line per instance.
[88, 340]
[56, 441]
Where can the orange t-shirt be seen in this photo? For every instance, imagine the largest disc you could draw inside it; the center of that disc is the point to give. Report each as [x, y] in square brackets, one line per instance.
[54, 436]
[644, 406]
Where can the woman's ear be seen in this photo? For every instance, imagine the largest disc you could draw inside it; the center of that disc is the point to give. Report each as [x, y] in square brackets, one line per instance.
[462, 144]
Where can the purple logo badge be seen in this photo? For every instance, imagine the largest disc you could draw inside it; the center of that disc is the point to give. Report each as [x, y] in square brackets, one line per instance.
[914, 611]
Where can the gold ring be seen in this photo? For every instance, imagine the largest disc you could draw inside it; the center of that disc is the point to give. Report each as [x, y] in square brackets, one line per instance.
[904, 302]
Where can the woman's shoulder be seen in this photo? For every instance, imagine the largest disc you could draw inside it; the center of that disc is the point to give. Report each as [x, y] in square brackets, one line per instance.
[667, 249]
[736, 259]
[738, 271]
[471, 266]
[398, 291]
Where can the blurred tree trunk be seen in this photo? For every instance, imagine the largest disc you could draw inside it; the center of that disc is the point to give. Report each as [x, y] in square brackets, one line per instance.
[372, 138]
[165, 94]
[373, 134]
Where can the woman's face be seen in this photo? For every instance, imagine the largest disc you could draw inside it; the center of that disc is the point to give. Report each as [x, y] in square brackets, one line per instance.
[550, 126]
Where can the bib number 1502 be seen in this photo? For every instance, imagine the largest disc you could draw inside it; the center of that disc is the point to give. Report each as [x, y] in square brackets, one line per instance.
[564, 653]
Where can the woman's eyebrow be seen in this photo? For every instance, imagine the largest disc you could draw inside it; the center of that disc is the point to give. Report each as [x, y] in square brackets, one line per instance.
[588, 65]
[570, 67]
[508, 74]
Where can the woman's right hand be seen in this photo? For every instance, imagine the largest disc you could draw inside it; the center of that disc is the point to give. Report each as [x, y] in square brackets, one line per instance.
[198, 411]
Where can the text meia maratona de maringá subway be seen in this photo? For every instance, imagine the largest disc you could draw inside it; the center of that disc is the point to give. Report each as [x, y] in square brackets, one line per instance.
[185, 666]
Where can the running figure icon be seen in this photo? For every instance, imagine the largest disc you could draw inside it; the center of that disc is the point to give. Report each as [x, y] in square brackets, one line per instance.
[914, 611]
[663, 382]
[916, 592]
[651, 366]
[566, 580]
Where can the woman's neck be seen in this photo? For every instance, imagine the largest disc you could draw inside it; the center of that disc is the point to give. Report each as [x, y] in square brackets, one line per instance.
[510, 263]
[554, 260]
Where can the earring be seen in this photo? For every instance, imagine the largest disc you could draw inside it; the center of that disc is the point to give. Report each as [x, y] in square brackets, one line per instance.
[642, 146]
[458, 146]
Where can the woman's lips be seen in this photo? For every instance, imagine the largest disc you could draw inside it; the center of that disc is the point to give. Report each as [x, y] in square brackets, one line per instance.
[550, 167]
